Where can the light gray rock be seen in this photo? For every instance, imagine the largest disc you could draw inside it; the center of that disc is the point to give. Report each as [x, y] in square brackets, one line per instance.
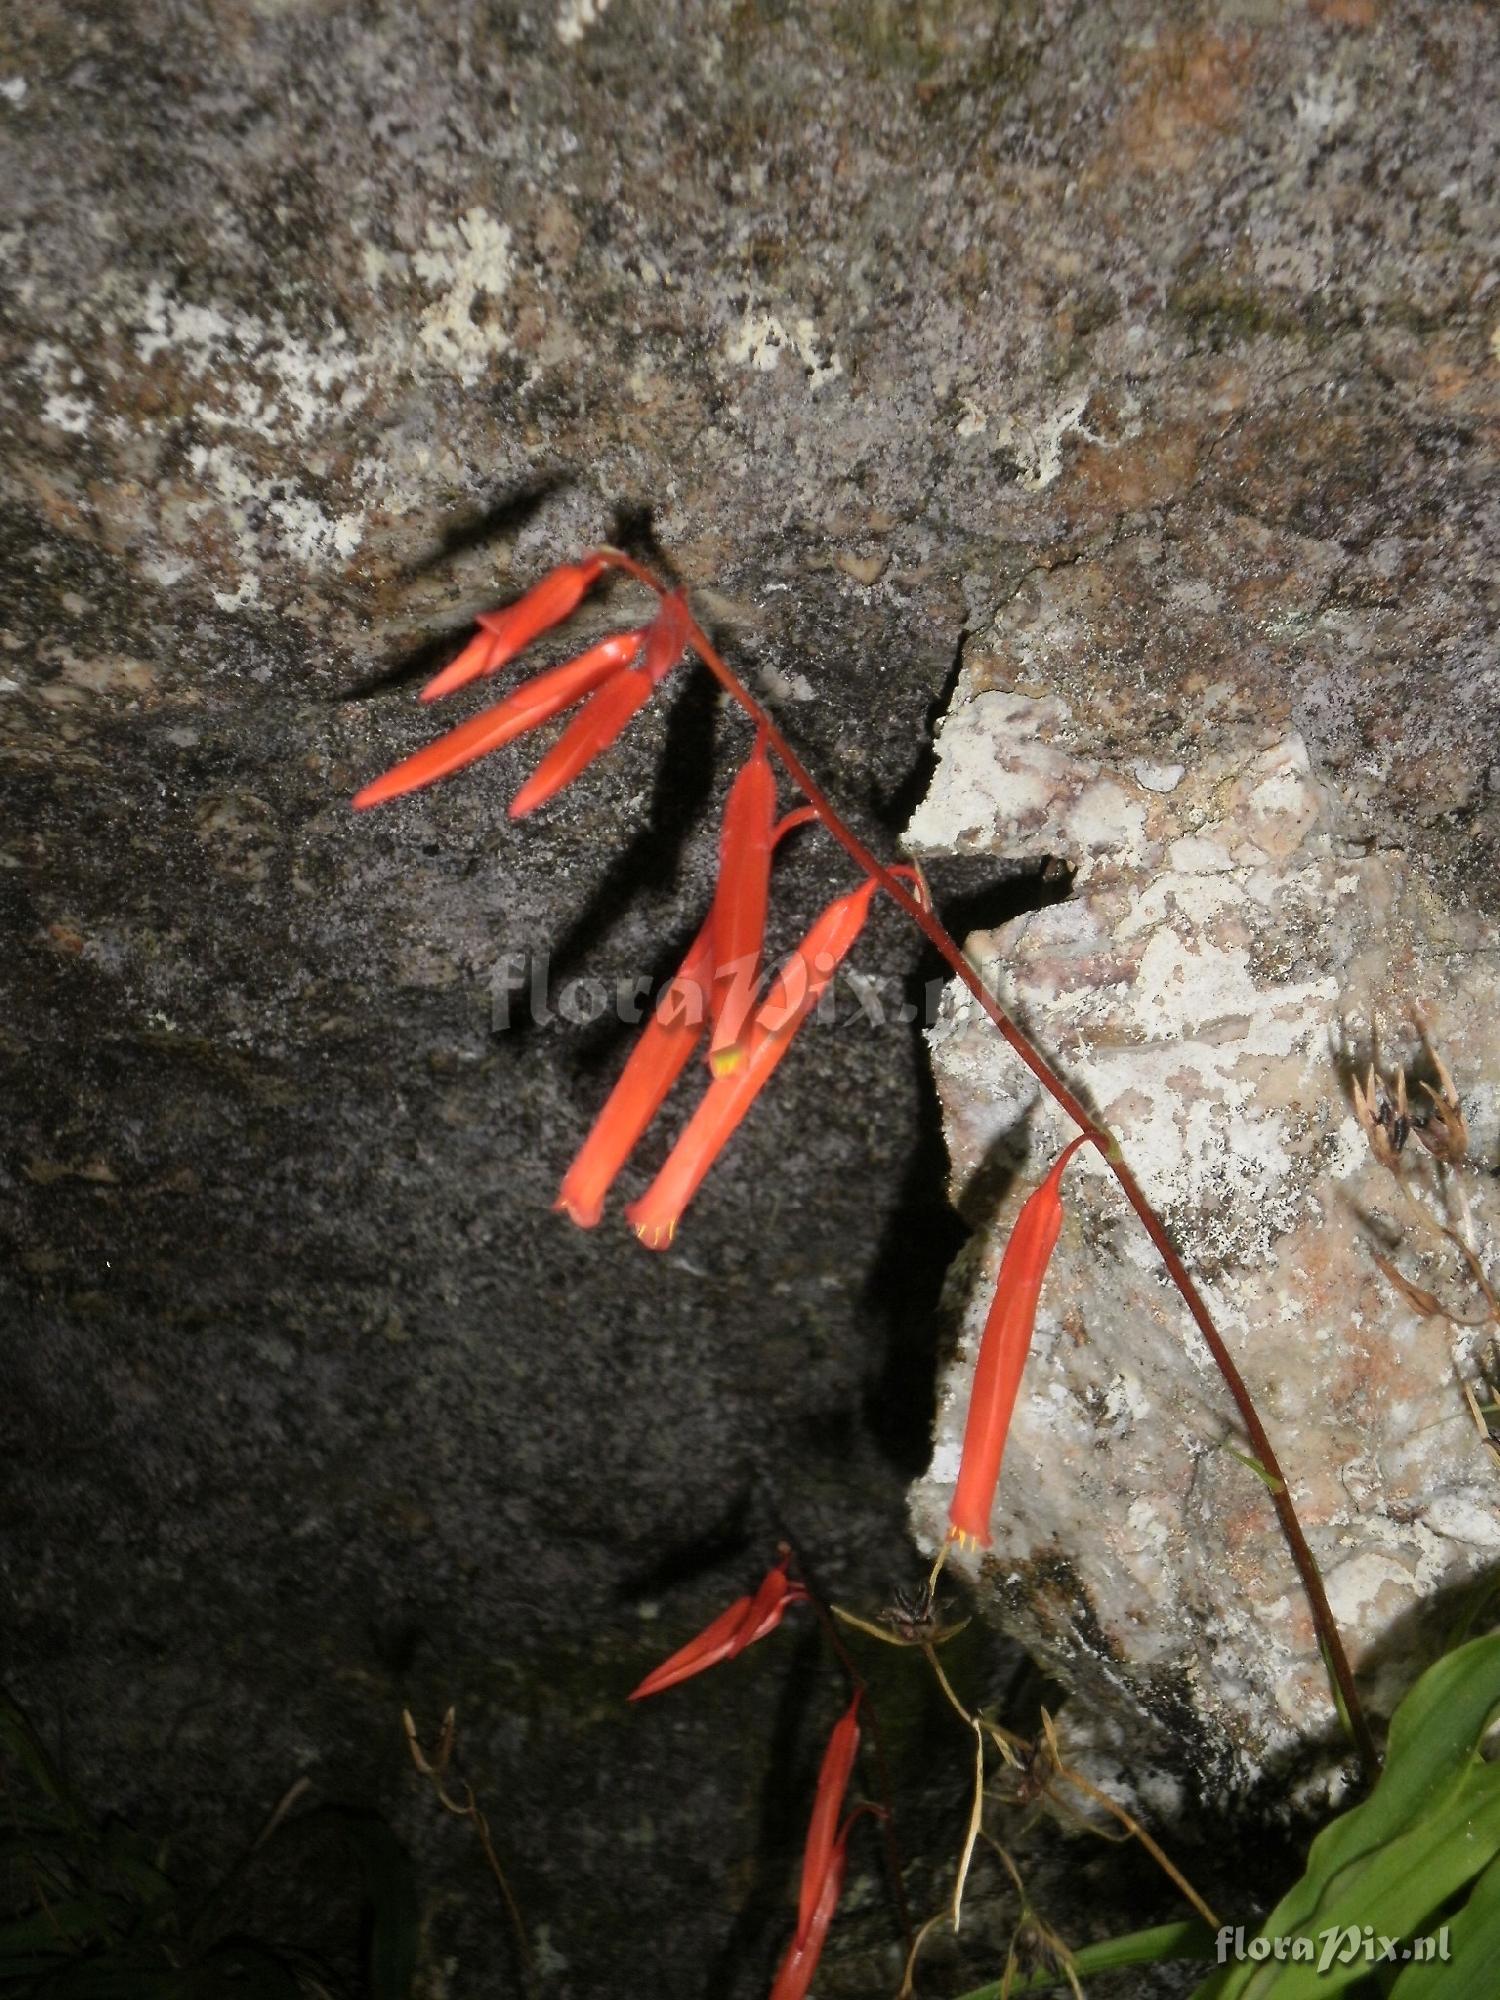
[1225, 962]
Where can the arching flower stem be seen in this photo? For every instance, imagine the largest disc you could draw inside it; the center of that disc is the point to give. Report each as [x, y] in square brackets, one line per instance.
[948, 948]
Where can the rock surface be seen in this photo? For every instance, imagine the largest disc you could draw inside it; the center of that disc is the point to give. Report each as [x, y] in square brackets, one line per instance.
[326, 325]
[1227, 964]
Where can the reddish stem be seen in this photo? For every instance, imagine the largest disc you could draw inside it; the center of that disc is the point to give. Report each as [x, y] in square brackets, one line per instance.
[952, 954]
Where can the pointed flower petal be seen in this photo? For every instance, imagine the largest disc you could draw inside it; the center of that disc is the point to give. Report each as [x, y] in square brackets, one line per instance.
[659, 1057]
[712, 1644]
[602, 719]
[800, 986]
[505, 633]
[1002, 1353]
[654, 1064]
[610, 708]
[532, 703]
[770, 1604]
[833, 1781]
[745, 1621]
[740, 901]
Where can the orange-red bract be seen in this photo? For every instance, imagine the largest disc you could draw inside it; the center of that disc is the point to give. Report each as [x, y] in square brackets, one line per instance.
[602, 718]
[745, 1621]
[823, 1860]
[833, 1781]
[1002, 1354]
[667, 635]
[740, 906]
[724, 1104]
[505, 633]
[795, 1973]
[654, 1064]
[652, 1067]
[526, 707]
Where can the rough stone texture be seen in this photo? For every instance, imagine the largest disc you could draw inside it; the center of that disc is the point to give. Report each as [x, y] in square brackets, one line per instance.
[326, 324]
[1225, 964]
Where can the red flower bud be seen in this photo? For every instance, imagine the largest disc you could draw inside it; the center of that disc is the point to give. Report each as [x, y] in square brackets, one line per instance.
[1002, 1353]
[745, 1621]
[505, 633]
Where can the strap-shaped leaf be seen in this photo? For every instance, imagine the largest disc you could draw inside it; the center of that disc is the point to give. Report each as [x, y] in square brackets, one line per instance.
[1473, 1941]
[1431, 1824]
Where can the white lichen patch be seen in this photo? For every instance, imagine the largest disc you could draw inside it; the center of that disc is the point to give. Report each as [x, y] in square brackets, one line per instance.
[1197, 989]
[1035, 439]
[467, 263]
[576, 17]
[272, 399]
[68, 413]
[762, 338]
[65, 407]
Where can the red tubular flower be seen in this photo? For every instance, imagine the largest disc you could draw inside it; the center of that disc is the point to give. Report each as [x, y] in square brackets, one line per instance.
[823, 1860]
[606, 713]
[740, 901]
[795, 1973]
[745, 1621]
[1002, 1354]
[505, 633]
[598, 723]
[532, 703]
[652, 1067]
[801, 984]
[833, 1781]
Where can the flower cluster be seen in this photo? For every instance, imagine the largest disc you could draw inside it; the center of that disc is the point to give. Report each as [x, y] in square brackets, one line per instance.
[825, 1854]
[717, 991]
[718, 1004]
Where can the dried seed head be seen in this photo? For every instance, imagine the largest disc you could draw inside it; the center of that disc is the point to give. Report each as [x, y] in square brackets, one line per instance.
[1384, 1123]
[1443, 1132]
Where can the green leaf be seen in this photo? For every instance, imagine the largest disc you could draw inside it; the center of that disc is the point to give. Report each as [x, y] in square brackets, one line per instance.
[1431, 1824]
[1189, 1939]
[1267, 1479]
[1473, 1943]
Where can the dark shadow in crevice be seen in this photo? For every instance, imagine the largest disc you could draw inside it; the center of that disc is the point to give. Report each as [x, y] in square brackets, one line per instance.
[714, 1548]
[633, 532]
[652, 859]
[491, 522]
[923, 1233]
[649, 863]
[892, 810]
